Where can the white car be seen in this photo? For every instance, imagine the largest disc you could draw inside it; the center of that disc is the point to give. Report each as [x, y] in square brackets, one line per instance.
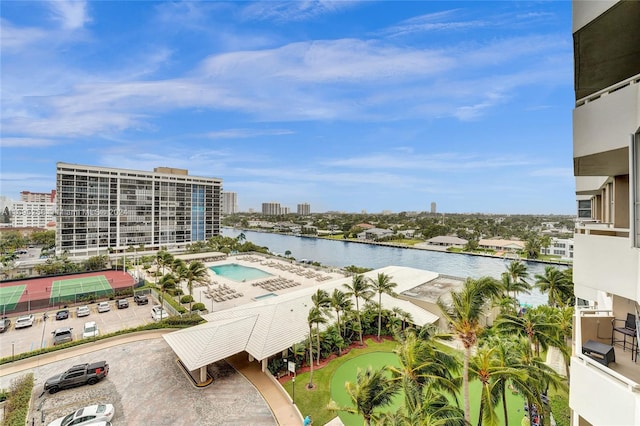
[90, 330]
[86, 416]
[104, 307]
[157, 313]
[82, 311]
[24, 321]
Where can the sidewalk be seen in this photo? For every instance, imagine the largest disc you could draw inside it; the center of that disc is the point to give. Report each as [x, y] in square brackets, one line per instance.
[285, 412]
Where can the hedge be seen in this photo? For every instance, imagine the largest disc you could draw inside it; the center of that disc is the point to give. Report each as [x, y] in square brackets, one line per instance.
[16, 408]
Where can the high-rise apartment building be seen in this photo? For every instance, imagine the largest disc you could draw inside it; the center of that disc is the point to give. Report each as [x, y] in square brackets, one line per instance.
[605, 375]
[103, 209]
[38, 197]
[271, 209]
[304, 209]
[433, 207]
[229, 202]
[32, 214]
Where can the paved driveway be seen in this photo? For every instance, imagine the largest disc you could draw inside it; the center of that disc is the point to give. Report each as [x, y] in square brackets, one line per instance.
[146, 386]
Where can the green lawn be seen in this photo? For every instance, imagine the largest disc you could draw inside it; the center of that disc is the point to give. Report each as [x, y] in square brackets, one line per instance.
[327, 381]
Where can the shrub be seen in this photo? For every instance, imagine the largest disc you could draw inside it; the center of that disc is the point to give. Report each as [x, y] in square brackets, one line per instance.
[17, 406]
[186, 299]
[198, 307]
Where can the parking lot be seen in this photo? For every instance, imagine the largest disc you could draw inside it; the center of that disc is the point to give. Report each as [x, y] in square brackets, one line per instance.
[146, 385]
[13, 342]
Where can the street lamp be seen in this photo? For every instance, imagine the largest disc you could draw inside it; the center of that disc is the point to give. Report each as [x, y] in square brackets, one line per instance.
[44, 326]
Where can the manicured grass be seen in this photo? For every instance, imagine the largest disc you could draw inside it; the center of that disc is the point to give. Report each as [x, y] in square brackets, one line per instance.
[348, 372]
[315, 401]
[327, 379]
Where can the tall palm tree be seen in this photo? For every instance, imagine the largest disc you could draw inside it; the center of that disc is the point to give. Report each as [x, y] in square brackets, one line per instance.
[163, 259]
[195, 272]
[372, 390]
[517, 279]
[340, 302]
[555, 283]
[313, 317]
[423, 364]
[463, 314]
[322, 302]
[540, 376]
[536, 325]
[382, 284]
[491, 372]
[166, 282]
[359, 288]
[434, 409]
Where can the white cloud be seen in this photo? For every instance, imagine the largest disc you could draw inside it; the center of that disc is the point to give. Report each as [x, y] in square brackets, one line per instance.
[246, 133]
[14, 38]
[285, 11]
[72, 14]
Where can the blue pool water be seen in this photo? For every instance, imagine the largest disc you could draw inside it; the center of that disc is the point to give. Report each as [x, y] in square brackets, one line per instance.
[265, 296]
[239, 273]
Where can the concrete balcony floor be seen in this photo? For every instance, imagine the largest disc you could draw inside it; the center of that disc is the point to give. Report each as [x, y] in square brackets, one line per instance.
[624, 365]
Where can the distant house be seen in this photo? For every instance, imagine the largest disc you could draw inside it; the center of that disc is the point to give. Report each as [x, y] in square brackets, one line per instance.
[505, 245]
[562, 247]
[447, 241]
[365, 226]
[374, 234]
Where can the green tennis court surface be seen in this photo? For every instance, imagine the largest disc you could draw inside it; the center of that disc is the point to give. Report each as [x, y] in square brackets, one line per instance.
[67, 290]
[9, 296]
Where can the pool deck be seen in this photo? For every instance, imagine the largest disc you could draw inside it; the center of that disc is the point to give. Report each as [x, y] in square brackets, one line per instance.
[287, 275]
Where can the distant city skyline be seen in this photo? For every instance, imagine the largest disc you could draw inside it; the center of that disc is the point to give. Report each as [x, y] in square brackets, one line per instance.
[347, 106]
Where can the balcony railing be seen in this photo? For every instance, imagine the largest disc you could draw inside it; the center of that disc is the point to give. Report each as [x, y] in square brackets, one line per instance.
[624, 370]
[599, 228]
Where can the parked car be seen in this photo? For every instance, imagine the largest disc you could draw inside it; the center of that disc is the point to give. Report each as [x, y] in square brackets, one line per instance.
[87, 415]
[122, 303]
[141, 299]
[24, 321]
[104, 307]
[62, 314]
[158, 313]
[82, 311]
[62, 335]
[5, 323]
[78, 375]
[90, 330]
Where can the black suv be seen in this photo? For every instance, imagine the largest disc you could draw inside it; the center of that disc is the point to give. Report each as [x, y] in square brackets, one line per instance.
[141, 299]
[122, 303]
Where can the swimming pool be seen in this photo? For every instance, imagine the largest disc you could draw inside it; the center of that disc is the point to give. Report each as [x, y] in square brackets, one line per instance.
[264, 296]
[239, 273]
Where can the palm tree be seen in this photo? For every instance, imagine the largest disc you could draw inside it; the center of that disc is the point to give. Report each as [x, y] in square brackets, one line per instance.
[340, 302]
[164, 259]
[166, 282]
[491, 372]
[404, 316]
[359, 288]
[382, 284]
[195, 272]
[536, 325]
[554, 282]
[321, 301]
[517, 272]
[372, 390]
[313, 317]
[464, 313]
[434, 409]
[422, 364]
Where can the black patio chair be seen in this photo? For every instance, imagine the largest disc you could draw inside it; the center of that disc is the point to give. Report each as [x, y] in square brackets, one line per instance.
[627, 329]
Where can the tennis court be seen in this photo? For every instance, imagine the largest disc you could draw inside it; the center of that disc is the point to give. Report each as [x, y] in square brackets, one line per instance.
[70, 290]
[10, 296]
[27, 295]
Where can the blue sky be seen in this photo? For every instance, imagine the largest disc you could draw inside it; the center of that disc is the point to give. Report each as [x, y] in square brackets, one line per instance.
[348, 106]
